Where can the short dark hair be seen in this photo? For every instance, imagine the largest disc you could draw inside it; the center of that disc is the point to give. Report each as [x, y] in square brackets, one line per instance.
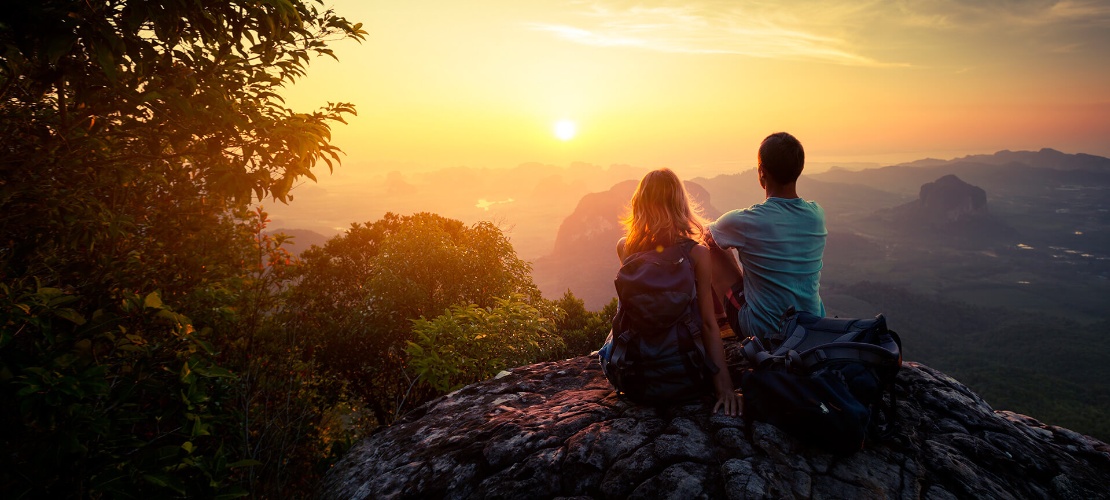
[782, 157]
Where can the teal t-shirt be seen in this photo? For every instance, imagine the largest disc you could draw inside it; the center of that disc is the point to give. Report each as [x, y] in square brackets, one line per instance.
[780, 243]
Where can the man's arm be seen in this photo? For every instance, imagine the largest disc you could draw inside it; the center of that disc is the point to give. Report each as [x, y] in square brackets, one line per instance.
[726, 270]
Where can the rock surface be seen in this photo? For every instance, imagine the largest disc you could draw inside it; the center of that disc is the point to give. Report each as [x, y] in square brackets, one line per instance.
[558, 430]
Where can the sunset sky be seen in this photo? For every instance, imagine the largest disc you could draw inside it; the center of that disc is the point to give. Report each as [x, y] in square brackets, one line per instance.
[696, 85]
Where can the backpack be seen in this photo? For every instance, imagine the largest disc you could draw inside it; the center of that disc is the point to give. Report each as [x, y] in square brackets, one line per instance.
[825, 379]
[654, 353]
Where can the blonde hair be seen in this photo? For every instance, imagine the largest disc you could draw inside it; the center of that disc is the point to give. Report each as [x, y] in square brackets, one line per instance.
[661, 212]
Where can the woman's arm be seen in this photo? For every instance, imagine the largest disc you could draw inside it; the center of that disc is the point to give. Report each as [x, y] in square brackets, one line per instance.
[711, 335]
[620, 249]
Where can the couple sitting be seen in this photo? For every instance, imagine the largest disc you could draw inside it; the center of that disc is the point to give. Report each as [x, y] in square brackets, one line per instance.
[780, 243]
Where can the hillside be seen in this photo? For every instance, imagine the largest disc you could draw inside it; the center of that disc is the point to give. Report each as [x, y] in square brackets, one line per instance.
[996, 272]
[584, 258]
[300, 239]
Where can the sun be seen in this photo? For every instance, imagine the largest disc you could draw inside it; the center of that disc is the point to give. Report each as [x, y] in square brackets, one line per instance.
[565, 130]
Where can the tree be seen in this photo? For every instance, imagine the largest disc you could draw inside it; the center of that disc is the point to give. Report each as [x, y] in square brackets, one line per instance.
[469, 343]
[149, 120]
[582, 331]
[132, 136]
[357, 296]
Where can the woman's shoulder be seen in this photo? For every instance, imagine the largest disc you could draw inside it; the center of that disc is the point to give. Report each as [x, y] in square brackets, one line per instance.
[698, 250]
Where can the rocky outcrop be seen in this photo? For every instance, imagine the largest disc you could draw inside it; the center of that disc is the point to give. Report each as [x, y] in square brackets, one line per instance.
[558, 430]
[953, 199]
[584, 258]
[950, 209]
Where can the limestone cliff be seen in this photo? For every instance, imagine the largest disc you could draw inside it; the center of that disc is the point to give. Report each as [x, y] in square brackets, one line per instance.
[584, 258]
[948, 208]
[953, 199]
[557, 430]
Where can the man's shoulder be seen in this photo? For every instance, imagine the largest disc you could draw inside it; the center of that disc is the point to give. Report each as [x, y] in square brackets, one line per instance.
[775, 206]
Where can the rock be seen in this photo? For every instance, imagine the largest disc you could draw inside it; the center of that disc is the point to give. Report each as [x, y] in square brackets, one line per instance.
[557, 430]
[948, 208]
[953, 198]
[583, 258]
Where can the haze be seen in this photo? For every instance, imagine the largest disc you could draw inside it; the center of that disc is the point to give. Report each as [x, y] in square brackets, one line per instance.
[696, 85]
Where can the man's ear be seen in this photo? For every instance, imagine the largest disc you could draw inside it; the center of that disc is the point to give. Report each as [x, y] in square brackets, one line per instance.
[762, 177]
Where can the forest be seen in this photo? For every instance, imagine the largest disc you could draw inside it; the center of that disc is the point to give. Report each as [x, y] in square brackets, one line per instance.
[155, 339]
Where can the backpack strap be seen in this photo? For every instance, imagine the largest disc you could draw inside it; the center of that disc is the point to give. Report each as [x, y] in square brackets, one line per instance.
[869, 354]
[888, 426]
[618, 355]
[755, 353]
[690, 349]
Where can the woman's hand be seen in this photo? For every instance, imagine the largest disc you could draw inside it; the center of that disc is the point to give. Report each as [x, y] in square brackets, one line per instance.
[730, 402]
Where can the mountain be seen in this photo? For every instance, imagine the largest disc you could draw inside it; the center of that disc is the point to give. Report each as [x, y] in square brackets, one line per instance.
[585, 258]
[951, 199]
[1006, 173]
[1045, 158]
[301, 239]
[948, 207]
[978, 265]
[734, 191]
[558, 430]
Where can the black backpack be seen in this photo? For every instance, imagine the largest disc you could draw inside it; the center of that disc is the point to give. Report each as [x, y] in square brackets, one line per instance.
[654, 353]
[827, 381]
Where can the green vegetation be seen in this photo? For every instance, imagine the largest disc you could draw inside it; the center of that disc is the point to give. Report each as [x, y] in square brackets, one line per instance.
[471, 343]
[355, 299]
[154, 340]
[1044, 366]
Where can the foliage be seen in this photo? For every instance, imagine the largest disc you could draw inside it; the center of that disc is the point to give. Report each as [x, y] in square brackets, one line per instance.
[154, 341]
[122, 401]
[582, 331]
[150, 121]
[1048, 367]
[471, 343]
[137, 351]
[355, 298]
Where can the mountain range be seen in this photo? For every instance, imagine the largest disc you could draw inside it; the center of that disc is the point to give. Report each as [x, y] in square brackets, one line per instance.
[1044, 203]
[994, 268]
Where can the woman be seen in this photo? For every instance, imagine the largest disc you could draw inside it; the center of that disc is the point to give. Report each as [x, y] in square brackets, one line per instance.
[662, 216]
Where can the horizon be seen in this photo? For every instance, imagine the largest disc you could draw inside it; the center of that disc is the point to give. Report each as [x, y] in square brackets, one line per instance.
[528, 201]
[695, 86]
[443, 88]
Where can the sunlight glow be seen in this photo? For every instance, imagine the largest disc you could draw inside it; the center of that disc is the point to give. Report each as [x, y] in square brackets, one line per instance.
[565, 130]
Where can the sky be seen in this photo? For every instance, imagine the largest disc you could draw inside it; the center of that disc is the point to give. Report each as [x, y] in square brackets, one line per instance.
[695, 86]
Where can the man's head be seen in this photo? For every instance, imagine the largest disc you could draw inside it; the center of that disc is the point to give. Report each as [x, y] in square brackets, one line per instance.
[781, 158]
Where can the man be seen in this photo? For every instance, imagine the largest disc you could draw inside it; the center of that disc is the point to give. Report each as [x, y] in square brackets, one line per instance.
[780, 243]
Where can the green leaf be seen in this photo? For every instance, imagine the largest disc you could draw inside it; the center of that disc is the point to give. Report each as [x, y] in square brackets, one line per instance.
[71, 315]
[153, 301]
[212, 371]
[107, 61]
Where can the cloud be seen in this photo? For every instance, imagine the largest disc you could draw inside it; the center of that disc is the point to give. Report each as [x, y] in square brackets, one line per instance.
[1000, 14]
[751, 29]
[841, 33]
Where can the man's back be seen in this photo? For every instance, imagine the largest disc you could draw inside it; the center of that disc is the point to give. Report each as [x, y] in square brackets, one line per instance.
[780, 243]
